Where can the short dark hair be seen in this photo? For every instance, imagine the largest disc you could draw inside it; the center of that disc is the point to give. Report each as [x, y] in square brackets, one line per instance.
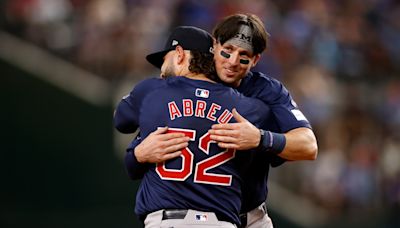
[229, 27]
[203, 63]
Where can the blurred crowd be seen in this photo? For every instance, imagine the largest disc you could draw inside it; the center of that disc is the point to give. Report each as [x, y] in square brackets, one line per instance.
[339, 58]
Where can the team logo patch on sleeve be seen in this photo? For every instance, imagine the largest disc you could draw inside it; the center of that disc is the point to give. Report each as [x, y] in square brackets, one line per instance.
[299, 115]
[202, 93]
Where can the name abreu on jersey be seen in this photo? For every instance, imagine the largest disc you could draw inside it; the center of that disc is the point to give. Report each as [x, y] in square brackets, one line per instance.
[200, 109]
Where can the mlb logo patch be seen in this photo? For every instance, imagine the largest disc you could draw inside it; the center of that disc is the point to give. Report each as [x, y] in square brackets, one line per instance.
[201, 217]
[202, 93]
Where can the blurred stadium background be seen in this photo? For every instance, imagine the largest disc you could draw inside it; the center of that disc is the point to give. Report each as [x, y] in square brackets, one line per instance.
[64, 64]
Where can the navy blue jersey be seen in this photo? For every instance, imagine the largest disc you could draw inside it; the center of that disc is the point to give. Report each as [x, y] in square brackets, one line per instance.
[285, 116]
[205, 177]
[286, 113]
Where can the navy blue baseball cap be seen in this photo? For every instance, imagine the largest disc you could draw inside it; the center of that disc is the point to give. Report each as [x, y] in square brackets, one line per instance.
[189, 38]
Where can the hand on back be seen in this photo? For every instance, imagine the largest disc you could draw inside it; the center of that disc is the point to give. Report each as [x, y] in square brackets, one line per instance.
[241, 135]
[160, 146]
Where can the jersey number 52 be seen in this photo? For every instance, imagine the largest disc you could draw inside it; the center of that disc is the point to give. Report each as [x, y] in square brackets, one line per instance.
[201, 174]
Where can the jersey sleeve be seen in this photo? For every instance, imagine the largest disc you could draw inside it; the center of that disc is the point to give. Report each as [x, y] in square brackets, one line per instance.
[134, 168]
[286, 115]
[127, 113]
[285, 110]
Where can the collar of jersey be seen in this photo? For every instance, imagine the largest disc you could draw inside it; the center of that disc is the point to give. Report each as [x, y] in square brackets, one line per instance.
[194, 82]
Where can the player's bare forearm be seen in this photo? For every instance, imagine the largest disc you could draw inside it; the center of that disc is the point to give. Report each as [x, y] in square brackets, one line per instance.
[159, 146]
[301, 144]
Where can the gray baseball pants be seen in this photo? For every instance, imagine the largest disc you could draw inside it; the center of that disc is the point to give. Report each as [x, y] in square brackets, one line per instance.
[192, 218]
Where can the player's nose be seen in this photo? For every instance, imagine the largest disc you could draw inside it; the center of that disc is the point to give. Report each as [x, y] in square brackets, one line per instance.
[234, 59]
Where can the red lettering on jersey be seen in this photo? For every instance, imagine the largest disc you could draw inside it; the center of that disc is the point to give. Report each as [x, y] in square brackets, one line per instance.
[177, 175]
[211, 113]
[225, 117]
[187, 107]
[205, 142]
[200, 107]
[173, 110]
[203, 176]
[189, 133]
[187, 160]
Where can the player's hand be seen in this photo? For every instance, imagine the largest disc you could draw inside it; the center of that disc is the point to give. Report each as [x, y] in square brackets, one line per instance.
[241, 135]
[159, 146]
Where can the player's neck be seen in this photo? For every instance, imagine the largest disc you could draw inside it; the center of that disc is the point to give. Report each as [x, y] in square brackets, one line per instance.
[199, 77]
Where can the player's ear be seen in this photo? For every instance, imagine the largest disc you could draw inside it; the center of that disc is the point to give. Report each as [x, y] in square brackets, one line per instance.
[256, 59]
[215, 43]
[180, 54]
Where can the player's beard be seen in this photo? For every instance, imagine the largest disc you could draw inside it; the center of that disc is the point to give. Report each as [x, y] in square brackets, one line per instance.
[169, 71]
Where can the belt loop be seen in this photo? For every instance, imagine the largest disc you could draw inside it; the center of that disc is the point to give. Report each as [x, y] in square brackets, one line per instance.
[174, 214]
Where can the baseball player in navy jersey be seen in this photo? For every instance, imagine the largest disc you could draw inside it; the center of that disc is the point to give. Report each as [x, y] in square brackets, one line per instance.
[239, 41]
[201, 187]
